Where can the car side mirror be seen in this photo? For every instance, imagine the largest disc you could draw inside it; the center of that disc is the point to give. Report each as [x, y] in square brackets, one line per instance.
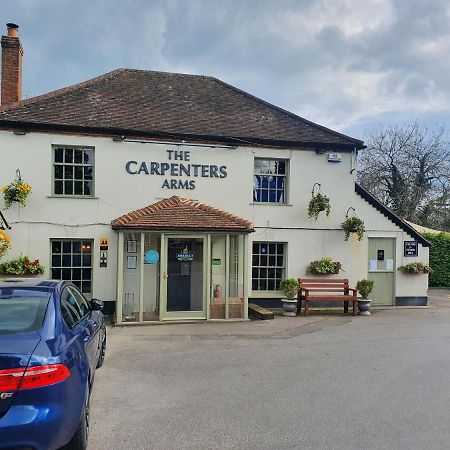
[96, 304]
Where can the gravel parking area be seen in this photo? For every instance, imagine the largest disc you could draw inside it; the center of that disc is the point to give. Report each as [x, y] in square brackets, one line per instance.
[322, 382]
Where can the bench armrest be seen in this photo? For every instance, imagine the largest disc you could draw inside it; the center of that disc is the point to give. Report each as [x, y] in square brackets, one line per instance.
[355, 291]
[304, 290]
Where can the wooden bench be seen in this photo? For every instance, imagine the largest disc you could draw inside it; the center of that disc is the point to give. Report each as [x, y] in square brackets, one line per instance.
[323, 290]
[259, 312]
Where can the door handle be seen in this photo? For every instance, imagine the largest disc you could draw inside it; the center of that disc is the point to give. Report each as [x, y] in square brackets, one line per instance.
[165, 275]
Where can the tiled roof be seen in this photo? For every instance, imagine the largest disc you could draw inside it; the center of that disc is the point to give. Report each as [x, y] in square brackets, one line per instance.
[178, 213]
[141, 102]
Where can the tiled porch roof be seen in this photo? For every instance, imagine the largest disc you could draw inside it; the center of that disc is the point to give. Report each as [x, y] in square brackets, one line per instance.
[182, 214]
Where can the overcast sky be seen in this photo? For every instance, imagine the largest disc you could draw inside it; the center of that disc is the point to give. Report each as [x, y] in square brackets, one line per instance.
[346, 64]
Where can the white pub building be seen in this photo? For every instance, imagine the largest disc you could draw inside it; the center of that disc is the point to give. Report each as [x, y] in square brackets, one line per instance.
[179, 197]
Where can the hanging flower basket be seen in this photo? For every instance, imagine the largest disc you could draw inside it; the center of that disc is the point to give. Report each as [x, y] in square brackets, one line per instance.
[353, 225]
[324, 266]
[22, 266]
[415, 267]
[16, 192]
[5, 242]
[317, 204]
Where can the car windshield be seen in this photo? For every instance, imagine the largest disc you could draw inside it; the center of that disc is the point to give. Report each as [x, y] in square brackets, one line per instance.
[22, 310]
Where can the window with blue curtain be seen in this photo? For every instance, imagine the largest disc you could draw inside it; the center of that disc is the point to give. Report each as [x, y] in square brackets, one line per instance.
[269, 182]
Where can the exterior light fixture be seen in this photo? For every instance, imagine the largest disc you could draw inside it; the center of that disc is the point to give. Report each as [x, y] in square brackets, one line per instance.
[118, 138]
[20, 132]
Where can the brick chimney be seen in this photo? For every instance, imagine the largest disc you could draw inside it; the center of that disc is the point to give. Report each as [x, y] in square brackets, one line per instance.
[12, 53]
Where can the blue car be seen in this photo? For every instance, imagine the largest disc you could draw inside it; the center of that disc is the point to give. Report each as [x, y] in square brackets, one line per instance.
[51, 341]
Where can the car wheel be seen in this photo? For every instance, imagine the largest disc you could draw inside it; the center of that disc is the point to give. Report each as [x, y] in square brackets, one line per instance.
[80, 438]
[101, 358]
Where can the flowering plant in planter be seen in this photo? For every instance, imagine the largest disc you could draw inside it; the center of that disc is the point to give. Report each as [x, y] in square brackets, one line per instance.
[22, 266]
[317, 204]
[415, 267]
[16, 192]
[353, 225]
[324, 266]
[5, 242]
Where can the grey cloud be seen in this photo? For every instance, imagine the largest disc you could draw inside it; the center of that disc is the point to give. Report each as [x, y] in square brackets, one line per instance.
[311, 57]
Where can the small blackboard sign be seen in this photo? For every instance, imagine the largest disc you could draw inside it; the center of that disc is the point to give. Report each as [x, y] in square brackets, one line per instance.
[411, 248]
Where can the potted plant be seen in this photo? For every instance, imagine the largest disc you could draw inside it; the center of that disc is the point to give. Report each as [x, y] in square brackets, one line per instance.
[16, 192]
[5, 242]
[365, 287]
[324, 266]
[22, 266]
[317, 204]
[353, 225]
[415, 267]
[289, 287]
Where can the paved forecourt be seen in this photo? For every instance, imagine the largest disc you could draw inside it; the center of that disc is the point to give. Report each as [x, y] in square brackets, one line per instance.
[321, 382]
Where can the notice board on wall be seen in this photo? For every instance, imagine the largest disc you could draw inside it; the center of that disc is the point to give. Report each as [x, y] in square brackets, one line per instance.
[411, 248]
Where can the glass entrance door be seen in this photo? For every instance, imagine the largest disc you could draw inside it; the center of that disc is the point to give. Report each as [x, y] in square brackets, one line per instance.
[185, 277]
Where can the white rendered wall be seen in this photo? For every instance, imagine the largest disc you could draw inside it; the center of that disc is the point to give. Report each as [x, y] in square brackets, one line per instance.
[117, 193]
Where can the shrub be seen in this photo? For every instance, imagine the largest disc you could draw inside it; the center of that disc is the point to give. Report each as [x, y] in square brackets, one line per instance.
[439, 259]
[365, 287]
[289, 287]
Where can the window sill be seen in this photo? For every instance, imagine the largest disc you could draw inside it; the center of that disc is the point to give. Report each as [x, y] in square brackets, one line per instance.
[270, 204]
[84, 197]
[266, 294]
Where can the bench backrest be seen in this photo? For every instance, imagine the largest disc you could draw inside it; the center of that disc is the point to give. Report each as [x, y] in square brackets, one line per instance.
[324, 284]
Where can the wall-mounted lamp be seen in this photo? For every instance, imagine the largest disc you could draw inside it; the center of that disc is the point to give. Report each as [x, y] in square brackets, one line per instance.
[118, 138]
[20, 132]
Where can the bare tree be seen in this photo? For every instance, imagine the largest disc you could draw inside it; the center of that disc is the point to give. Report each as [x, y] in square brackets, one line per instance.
[408, 169]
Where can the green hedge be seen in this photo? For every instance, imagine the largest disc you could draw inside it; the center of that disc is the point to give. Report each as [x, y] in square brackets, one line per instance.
[439, 259]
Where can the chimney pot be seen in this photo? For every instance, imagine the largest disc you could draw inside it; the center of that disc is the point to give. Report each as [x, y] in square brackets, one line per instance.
[13, 30]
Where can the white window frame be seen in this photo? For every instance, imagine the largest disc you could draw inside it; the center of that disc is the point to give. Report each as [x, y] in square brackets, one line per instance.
[74, 165]
[266, 292]
[71, 267]
[286, 181]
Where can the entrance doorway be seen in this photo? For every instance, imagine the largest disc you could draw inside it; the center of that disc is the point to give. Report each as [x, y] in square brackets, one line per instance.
[185, 277]
[381, 270]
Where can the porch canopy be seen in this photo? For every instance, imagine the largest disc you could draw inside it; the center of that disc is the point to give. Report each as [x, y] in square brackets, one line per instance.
[182, 259]
[182, 214]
